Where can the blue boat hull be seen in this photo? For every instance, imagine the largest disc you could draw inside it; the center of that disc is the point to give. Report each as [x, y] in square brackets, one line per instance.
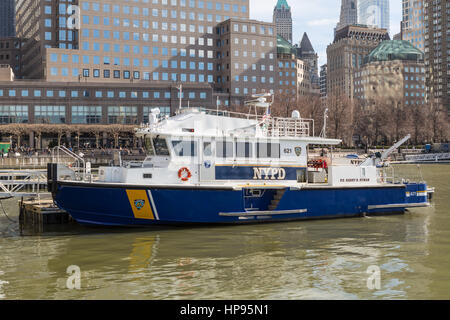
[118, 205]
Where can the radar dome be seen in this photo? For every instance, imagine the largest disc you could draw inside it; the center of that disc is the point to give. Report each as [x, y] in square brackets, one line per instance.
[296, 114]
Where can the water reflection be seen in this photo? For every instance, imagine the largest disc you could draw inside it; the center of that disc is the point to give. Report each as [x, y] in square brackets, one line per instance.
[322, 259]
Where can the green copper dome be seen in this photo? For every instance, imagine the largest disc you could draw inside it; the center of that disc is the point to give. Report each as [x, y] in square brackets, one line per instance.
[394, 50]
[284, 46]
[281, 4]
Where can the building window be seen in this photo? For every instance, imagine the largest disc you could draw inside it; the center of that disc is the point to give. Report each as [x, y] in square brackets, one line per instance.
[86, 114]
[13, 114]
[122, 115]
[50, 114]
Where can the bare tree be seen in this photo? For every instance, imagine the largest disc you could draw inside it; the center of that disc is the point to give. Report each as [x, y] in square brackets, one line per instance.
[340, 113]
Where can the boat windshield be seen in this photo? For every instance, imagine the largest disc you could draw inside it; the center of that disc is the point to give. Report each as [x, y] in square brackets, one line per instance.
[161, 148]
[149, 146]
[158, 147]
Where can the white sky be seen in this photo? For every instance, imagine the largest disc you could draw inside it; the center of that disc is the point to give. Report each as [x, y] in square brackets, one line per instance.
[317, 18]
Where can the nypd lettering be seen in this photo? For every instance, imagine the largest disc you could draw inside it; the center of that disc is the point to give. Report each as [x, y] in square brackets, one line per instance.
[269, 173]
[257, 173]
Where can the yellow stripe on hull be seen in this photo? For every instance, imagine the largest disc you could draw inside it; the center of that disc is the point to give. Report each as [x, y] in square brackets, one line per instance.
[140, 204]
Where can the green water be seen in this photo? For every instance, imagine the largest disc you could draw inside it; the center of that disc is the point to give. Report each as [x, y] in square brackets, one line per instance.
[296, 260]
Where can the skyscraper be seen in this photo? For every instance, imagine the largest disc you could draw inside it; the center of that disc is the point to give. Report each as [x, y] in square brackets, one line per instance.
[349, 14]
[309, 55]
[7, 18]
[169, 41]
[282, 17]
[374, 13]
[413, 27]
[346, 54]
[437, 52]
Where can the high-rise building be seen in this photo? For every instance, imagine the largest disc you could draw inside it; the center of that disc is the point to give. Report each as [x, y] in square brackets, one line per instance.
[293, 72]
[374, 13]
[345, 55]
[307, 53]
[10, 54]
[41, 26]
[437, 52]
[323, 81]
[412, 26]
[395, 71]
[7, 18]
[246, 58]
[123, 41]
[349, 14]
[282, 17]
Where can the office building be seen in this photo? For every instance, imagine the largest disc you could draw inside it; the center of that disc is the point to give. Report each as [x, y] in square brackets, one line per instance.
[395, 71]
[374, 13]
[307, 53]
[7, 18]
[10, 54]
[437, 50]
[122, 41]
[246, 58]
[345, 55]
[323, 81]
[293, 72]
[349, 14]
[412, 26]
[282, 17]
[91, 106]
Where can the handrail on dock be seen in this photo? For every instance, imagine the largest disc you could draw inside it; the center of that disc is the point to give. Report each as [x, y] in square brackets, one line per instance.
[80, 162]
[15, 183]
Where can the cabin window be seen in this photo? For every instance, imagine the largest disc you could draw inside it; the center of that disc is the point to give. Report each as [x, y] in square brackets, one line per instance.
[243, 150]
[224, 149]
[185, 148]
[147, 176]
[207, 149]
[148, 146]
[161, 148]
[268, 150]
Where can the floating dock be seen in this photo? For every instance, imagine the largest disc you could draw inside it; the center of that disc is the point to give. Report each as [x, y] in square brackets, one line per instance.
[40, 213]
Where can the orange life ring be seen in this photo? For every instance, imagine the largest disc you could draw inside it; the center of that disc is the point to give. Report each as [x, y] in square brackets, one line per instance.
[184, 174]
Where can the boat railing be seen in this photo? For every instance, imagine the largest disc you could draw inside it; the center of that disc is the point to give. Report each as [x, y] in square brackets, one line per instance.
[79, 164]
[291, 127]
[233, 114]
[273, 126]
[386, 175]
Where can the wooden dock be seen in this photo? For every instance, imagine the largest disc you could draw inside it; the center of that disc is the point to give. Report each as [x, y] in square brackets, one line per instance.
[40, 213]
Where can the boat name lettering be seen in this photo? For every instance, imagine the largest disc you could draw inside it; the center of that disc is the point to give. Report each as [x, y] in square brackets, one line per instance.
[269, 173]
[355, 180]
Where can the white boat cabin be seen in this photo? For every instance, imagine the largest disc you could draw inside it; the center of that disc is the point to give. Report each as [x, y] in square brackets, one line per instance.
[212, 147]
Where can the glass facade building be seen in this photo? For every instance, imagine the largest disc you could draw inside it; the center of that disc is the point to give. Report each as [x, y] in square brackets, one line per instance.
[7, 17]
[413, 24]
[374, 13]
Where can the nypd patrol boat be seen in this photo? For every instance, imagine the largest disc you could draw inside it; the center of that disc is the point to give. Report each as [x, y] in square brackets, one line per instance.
[220, 167]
